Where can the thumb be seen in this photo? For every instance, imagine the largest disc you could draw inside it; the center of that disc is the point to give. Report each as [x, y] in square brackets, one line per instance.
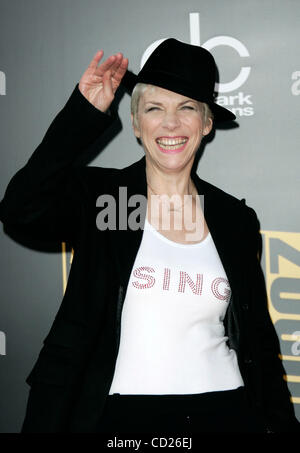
[107, 86]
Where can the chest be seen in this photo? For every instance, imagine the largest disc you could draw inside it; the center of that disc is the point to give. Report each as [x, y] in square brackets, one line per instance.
[183, 224]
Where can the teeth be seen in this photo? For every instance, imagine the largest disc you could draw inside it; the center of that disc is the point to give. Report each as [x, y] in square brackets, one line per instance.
[171, 141]
[170, 146]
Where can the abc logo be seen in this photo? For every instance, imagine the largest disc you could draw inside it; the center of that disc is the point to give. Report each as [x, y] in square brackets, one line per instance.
[210, 44]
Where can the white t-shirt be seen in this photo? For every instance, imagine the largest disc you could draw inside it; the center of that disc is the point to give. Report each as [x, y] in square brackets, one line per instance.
[172, 337]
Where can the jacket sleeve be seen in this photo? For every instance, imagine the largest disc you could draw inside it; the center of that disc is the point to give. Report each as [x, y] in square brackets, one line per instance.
[276, 406]
[43, 199]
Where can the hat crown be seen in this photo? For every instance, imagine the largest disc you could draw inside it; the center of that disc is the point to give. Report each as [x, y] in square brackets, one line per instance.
[190, 67]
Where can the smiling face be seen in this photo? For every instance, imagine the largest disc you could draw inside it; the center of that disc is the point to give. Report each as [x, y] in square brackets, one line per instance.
[170, 127]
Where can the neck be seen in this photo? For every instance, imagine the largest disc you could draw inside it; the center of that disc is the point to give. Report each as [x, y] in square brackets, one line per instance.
[169, 183]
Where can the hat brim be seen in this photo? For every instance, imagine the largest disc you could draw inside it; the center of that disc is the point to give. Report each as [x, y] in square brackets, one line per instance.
[130, 79]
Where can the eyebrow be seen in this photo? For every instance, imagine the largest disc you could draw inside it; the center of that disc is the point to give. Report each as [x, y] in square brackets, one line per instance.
[180, 103]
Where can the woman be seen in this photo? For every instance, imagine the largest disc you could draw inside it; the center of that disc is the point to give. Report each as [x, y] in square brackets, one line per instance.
[161, 330]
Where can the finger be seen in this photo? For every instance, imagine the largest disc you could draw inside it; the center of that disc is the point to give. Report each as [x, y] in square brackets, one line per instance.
[121, 70]
[105, 66]
[97, 57]
[115, 67]
[107, 85]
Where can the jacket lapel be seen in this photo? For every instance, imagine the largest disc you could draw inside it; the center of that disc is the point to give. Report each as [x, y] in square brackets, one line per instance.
[125, 242]
[222, 224]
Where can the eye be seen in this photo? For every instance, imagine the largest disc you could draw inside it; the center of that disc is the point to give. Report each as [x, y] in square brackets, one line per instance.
[188, 107]
[150, 109]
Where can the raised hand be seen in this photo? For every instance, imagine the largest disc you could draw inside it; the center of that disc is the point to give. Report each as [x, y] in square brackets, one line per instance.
[98, 84]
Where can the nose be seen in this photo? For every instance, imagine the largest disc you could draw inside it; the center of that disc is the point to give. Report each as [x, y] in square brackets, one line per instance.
[171, 120]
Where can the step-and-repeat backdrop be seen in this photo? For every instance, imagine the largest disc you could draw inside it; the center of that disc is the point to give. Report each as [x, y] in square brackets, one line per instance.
[45, 48]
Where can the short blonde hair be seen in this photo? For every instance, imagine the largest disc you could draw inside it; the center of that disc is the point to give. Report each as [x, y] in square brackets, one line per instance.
[140, 88]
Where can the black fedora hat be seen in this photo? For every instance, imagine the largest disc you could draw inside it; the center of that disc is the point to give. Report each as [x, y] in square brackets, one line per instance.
[183, 68]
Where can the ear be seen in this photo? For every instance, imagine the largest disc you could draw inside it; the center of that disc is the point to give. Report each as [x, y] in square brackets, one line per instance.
[208, 127]
[136, 130]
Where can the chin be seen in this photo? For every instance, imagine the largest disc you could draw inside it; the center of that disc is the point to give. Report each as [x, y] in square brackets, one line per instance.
[171, 162]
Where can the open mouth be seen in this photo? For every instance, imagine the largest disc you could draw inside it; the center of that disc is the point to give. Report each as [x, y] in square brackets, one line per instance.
[171, 144]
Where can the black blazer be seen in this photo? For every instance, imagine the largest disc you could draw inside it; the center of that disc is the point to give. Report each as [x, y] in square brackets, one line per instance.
[53, 199]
